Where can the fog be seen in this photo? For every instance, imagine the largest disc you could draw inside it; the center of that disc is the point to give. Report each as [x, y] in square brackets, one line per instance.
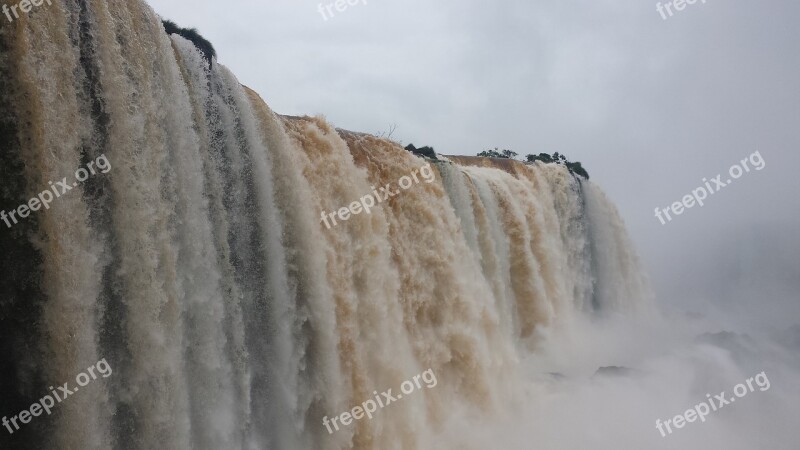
[655, 370]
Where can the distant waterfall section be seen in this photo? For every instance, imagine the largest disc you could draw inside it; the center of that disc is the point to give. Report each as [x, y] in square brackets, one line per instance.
[200, 270]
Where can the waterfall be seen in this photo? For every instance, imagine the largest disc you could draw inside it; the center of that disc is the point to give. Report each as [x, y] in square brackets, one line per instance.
[199, 267]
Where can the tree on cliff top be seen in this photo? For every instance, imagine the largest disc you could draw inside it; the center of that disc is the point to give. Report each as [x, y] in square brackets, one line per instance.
[557, 158]
[497, 153]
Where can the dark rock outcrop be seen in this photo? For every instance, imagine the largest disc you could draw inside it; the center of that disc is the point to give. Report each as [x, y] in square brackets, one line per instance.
[426, 151]
[191, 34]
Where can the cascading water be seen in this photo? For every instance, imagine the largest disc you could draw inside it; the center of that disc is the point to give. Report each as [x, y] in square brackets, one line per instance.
[198, 266]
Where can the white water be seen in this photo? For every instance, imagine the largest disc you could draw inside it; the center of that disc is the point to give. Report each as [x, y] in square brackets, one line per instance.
[232, 317]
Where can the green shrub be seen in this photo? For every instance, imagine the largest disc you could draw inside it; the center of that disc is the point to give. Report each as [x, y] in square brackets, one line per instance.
[497, 153]
[557, 158]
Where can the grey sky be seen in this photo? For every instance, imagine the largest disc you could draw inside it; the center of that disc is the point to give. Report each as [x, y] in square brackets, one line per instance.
[650, 106]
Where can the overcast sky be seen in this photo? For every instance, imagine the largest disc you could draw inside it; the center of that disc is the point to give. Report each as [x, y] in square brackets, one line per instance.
[650, 106]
